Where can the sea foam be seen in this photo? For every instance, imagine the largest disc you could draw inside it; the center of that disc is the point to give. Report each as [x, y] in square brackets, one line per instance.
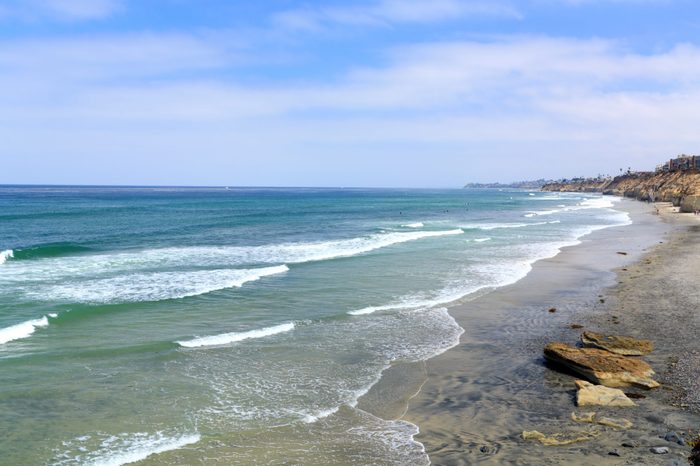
[498, 226]
[445, 296]
[123, 449]
[72, 267]
[23, 330]
[590, 203]
[232, 337]
[414, 225]
[156, 286]
[7, 254]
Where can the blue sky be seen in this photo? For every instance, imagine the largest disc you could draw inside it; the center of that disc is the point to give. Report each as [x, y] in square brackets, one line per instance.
[355, 93]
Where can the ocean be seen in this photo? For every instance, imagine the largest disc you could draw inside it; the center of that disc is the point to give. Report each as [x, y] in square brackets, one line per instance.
[242, 326]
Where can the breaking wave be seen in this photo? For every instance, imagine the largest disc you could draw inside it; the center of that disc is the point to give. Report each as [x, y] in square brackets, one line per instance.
[116, 450]
[497, 226]
[155, 286]
[232, 337]
[23, 330]
[7, 254]
[72, 267]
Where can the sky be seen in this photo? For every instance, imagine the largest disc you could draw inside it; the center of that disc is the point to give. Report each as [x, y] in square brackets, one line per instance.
[366, 93]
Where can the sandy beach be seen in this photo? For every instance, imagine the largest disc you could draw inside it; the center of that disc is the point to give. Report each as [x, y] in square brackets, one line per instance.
[473, 402]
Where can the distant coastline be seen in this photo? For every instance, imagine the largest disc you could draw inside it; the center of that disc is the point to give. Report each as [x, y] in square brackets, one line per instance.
[532, 184]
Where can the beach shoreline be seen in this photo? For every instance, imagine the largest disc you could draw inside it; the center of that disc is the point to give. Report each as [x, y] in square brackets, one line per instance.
[472, 402]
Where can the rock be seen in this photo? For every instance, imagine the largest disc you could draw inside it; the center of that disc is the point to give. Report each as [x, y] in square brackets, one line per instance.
[599, 395]
[626, 346]
[630, 444]
[600, 366]
[552, 309]
[675, 438]
[695, 455]
[659, 450]
[622, 253]
[615, 423]
[635, 396]
[576, 326]
[583, 417]
[614, 453]
[593, 418]
[559, 438]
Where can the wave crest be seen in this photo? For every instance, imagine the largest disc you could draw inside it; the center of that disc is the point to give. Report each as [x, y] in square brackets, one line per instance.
[117, 450]
[7, 254]
[232, 337]
[22, 330]
[155, 286]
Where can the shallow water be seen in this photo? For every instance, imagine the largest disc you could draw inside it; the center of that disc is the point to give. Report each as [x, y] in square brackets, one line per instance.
[241, 325]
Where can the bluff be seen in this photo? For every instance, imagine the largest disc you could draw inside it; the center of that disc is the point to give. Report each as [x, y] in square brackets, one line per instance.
[682, 188]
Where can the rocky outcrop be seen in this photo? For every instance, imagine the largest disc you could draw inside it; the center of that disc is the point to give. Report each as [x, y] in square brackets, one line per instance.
[599, 395]
[593, 185]
[682, 188]
[626, 346]
[601, 366]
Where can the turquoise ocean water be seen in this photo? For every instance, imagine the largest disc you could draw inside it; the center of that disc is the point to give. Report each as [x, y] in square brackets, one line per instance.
[240, 326]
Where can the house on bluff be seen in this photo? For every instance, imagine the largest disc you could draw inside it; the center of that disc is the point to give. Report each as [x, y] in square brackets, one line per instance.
[681, 163]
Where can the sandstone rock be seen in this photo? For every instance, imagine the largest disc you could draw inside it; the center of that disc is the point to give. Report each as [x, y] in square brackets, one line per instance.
[559, 438]
[626, 346]
[600, 366]
[599, 395]
[593, 418]
[659, 450]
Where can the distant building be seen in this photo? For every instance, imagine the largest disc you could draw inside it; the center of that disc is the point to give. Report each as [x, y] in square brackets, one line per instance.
[681, 163]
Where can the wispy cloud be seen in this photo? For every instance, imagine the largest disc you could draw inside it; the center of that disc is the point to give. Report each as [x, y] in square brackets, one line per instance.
[387, 12]
[62, 10]
[449, 75]
[591, 2]
[150, 92]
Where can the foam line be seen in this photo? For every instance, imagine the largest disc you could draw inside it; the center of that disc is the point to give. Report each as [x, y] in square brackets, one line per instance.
[23, 330]
[7, 254]
[232, 337]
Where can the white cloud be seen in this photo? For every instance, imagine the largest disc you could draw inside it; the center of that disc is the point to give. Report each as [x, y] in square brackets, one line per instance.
[143, 93]
[510, 73]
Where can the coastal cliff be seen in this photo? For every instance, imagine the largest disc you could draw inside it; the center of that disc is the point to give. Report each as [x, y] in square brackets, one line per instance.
[682, 188]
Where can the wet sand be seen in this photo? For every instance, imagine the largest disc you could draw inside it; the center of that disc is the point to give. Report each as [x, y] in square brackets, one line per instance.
[473, 402]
